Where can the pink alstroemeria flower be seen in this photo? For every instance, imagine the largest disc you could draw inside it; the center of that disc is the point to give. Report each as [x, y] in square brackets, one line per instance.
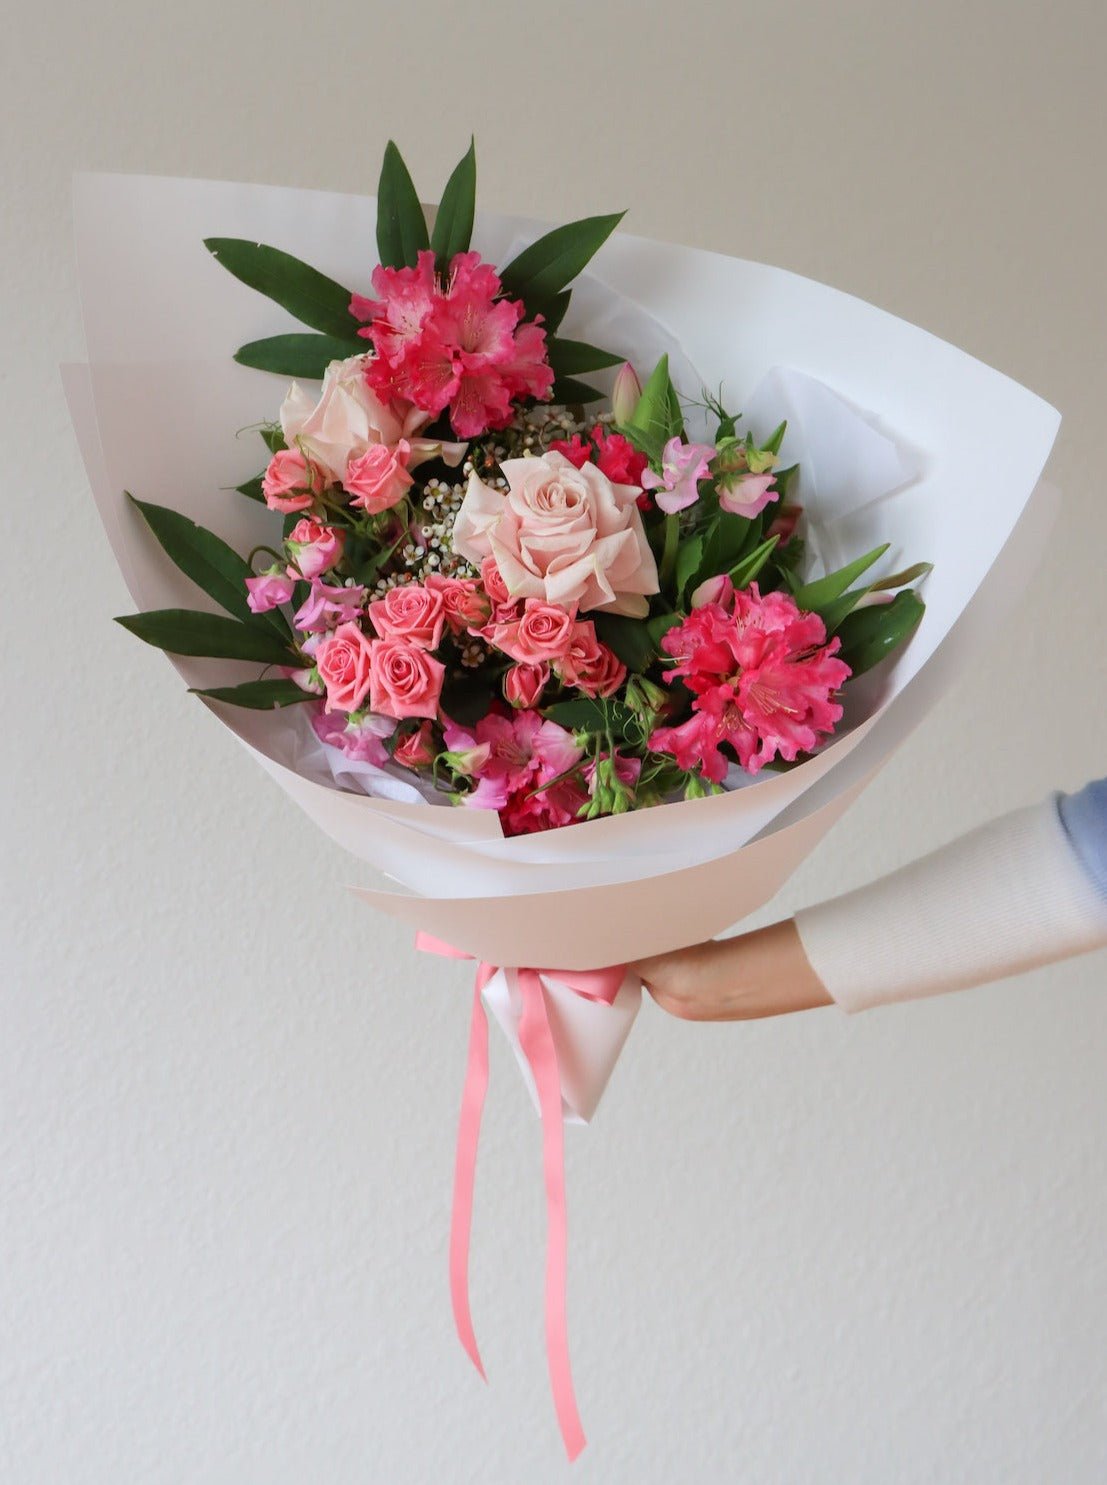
[683, 465]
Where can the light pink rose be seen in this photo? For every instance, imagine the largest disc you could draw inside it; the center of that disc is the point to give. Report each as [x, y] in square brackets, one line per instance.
[465, 606]
[343, 660]
[541, 633]
[417, 750]
[589, 665]
[524, 684]
[268, 590]
[406, 680]
[378, 479]
[289, 484]
[410, 612]
[563, 534]
[314, 547]
[348, 418]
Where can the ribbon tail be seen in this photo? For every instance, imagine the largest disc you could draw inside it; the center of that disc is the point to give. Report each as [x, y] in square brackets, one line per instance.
[536, 1039]
[465, 1169]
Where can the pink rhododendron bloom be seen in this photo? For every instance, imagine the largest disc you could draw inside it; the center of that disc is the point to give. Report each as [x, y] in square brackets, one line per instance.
[378, 479]
[577, 450]
[406, 681]
[454, 345]
[412, 612]
[417, 750]
[763, 678]
[343, 661]
[289, 483]
[612, 454]
[313, 547]
[466, 606]
[268, 590]
[564, 534]
[524, 684]
[541, 633]
[523, 754]
[683, 465]
[327, 606]
[349, 418]
[746, 494]
[590, 665]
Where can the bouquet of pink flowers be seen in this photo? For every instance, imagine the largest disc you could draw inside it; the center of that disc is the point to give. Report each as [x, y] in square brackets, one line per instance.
[549, 612]
[486, 567]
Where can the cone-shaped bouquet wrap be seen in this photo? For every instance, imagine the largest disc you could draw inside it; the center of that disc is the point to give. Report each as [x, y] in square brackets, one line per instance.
[581, 661]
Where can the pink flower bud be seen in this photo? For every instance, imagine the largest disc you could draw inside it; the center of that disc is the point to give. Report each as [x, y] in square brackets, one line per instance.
[625, 393]
[714, 590]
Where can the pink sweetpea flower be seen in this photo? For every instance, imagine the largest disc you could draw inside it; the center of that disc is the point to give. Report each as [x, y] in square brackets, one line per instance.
[746, 494]
[328, 605]
[269, 590]
[683, 465]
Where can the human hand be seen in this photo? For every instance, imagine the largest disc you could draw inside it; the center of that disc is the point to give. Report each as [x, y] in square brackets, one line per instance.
[764, 973]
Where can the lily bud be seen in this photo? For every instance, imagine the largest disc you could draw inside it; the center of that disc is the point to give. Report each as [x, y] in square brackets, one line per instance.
[718, 589]
[626, 393]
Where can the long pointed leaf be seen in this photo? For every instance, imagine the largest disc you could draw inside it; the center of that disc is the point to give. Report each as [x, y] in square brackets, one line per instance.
[567, 391]
[202, 556]
[453, 225]
[542, 270]
[257, 695]
[184, 631]
[401, 225]
[824, 590]
[294, 355]
[571, 357]
[313, 298]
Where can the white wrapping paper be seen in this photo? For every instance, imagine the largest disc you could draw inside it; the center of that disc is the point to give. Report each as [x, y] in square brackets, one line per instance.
[901, 438]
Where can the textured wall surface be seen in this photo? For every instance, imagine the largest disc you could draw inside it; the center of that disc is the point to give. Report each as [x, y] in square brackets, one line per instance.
[821, 1250]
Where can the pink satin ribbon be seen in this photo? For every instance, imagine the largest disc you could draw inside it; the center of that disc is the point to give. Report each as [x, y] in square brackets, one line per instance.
[537, 1042]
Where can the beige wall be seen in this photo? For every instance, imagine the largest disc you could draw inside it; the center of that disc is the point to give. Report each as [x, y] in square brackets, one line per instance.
[814, 1251]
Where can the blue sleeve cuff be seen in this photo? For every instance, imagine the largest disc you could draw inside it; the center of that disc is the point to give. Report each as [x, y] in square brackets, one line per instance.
[1084, 816]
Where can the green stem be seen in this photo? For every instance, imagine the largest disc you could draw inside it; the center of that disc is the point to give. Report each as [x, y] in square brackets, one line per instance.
[669, 550]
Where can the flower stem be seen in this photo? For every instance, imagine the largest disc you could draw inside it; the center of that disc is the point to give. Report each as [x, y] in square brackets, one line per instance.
[669, 550]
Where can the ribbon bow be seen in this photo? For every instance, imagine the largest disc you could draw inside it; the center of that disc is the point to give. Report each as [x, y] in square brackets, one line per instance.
[537, 1042]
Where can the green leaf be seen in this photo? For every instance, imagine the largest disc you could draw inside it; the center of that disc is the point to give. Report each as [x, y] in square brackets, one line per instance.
[588, 714]
[252, 489]
[569, 357]
[901, 579]
[204, 557]
[870, 635]
[659, 626]
[401, 225]
[688, 563]
[184, 631]
[273, 438]
[815, 596]
[542, 270]
[554, 312]
[657, 417]
[453, 225]
[313, 298]
[259, 696]
[294, 355]
[629, 638]
[748, 568]
[567, 390]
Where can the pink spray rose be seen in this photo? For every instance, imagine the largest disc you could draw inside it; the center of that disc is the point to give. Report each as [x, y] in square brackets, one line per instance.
[541, 633]
[378, 479]
[290, 483]
[466, 607]
[524, 684]
[268, 590]
[406, 680]
[492, 580]
[410, 612]
[417, 750]
[590, 665]
[314, 547]
[563, 534]
[343, 660]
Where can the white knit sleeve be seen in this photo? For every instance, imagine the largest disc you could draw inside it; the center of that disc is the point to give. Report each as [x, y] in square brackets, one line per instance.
[1005, 898]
